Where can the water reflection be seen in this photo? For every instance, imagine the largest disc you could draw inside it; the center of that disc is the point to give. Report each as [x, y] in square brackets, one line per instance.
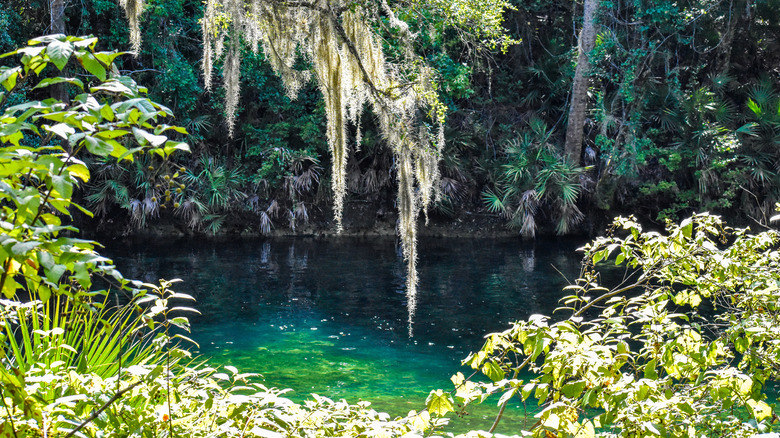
[334, 317]
[466, 286]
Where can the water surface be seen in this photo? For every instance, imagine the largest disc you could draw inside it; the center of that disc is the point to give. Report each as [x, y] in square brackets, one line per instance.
[332, 316]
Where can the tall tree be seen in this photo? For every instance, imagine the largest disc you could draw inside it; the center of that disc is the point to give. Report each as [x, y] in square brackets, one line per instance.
[579, 89]
[57, 16]
[57, 23]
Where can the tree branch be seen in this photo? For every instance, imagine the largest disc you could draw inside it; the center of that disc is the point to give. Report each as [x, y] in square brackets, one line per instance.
[102, 408]
[353, 50]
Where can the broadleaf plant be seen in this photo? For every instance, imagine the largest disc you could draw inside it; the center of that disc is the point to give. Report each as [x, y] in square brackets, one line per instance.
[683, 341]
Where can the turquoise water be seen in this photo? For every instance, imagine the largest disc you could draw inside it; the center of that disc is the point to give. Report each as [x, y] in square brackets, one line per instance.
[332, 317]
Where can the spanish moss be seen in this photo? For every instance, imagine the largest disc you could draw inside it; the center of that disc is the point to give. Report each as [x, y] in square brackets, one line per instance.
[133, 10]
[352, 73]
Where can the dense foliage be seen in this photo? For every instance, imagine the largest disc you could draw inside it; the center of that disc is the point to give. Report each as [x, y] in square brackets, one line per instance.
[683, 343]
[683, 116]
[73, 363]
[665, 334]
[680, 118]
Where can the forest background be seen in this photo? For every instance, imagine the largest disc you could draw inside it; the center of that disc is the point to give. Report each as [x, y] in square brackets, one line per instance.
[678, 113]
[682, 115]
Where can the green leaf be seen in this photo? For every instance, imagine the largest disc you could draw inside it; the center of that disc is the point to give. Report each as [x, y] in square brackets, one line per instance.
[542, 391]
[599, 255]
[173, 146]
[61, 130]
[552, 421]
[31, 52]
[111, 133]
[55, 273]
[92, 65]
[185, 338]
[180, 322]
[120, 152]
[62, 186]
[687, 227]
[573, 389]
[113, 87]
[10, 287]
[159, 129]
[22, 248]
[650, 427]
[97, 146]
[439, 403]
[59, 52]
[759, 409]
[527, 390]
[107, 58]
[144, 137]
[506, 396]
[13, 138]
[748, 129]
[493, 371]
[58, 80]
[587, 430]
[754, 107]
[650, 372]
[8, 77]
[83, 43]
[107, 113]
[79, 171]
[44, 293]
[740, 344]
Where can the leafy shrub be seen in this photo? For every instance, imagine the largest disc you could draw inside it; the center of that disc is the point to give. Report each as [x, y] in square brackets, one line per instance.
[683, 343]
[537, 179]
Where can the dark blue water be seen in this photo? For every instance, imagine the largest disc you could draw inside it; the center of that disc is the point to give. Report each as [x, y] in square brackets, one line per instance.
[332, 316]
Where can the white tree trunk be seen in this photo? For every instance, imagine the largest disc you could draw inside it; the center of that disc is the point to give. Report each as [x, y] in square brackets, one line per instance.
[579, 89]
[57, 8]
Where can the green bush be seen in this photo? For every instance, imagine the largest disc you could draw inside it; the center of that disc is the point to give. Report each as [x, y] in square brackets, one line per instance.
[684, 341]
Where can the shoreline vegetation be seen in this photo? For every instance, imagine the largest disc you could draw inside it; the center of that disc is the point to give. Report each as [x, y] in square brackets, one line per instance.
[680, 114]
[669, 109]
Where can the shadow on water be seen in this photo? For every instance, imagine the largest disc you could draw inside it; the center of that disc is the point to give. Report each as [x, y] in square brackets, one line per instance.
[330, 316]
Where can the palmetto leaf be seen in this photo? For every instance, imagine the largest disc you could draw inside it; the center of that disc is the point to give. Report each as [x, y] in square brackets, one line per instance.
[214, 222]
[725, 112]
[494, 202]
[761, 94]
[265, 223]
[762, 175]
[748, 129]
[721, 81]
[570, 192]
[62, 332]
[199, 123]
[755, 107]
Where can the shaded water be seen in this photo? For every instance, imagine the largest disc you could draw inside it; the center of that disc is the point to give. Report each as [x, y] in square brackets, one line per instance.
[331, 316]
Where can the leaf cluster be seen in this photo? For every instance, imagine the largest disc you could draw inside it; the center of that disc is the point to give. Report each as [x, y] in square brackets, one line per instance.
[684, 344]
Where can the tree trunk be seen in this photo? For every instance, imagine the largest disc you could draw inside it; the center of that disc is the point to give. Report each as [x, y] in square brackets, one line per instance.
[57, 9]
[57, 16]
[579, 88]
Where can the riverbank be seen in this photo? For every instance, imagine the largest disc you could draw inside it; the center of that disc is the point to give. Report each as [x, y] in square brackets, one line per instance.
[360, 219]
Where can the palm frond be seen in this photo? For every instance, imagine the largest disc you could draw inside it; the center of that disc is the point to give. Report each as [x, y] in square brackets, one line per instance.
[493, 201]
